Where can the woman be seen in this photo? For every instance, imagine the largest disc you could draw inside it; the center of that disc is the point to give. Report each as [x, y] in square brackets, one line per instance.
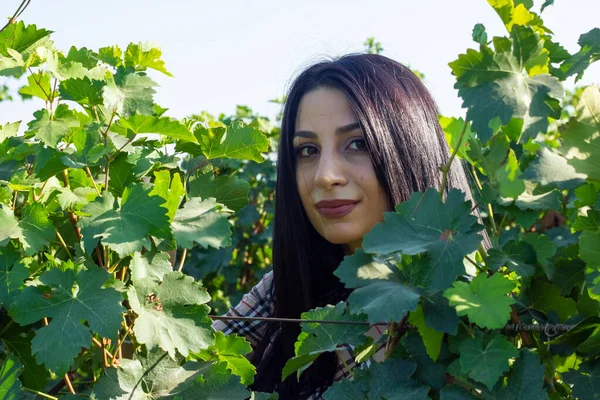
[358, 135]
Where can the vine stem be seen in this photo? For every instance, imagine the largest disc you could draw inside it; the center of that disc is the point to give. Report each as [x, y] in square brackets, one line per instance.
[446, 167]
[106, 353]
[40, 393]
[113, 357]
[293, 320]
[17, 14]
[89, 173]
[183, 254]
[37, 82]
[62, 241]
[489, 206]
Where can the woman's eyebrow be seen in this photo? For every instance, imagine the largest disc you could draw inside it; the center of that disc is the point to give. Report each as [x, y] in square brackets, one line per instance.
[340, 130]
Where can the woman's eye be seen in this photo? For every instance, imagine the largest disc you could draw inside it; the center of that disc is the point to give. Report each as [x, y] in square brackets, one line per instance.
[305, 151]
[358, 145]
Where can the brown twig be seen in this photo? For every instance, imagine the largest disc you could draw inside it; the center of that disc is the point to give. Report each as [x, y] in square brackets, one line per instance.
[17, 14]
[105, 352]
[113, 357]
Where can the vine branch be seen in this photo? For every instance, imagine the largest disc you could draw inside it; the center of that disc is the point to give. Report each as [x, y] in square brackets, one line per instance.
[17, 14]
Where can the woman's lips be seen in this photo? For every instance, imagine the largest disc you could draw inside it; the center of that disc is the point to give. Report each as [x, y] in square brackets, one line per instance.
[336, 211]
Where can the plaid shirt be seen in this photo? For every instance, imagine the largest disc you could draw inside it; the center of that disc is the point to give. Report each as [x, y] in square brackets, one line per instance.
[259, 303]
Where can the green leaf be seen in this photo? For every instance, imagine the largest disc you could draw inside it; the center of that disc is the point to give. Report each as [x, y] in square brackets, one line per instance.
[516, 12]
[390, 380]
[18, 342]
[9, 130]
[589, 222]
[319, 338]
[125, 230]
[51, 130]
[456, 392]
[10, 385]
[546, 297]
[428, 372]
[439, 315]
[432, 339]
[526, 381]
[506, 84]
[588, 247]
[151, 124]
[202, 222]
[228, 190]
[238, 141]
[12, 274]
[484, 300]
[38, 86]
[36, 230]
[508, 176]
[446, 231]
[112, 55]
[544, 250]
[519, 257]
[581, 138]
[171, 190]
[379, 293]
[152, 264]
[129, 93]
[172, 314]
[216, 383]
[84, 91]
[550, 168]
[121, 174]
[479, 34]
[70, 299]
[585, 381]
[231, 350]
[452, 129]
[580, 61]
[149, 376]
[145, 55]
[546, 4]
[486, 362]
[22, 38]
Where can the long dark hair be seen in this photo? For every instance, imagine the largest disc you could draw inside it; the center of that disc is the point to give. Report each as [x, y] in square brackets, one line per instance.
[399, 121]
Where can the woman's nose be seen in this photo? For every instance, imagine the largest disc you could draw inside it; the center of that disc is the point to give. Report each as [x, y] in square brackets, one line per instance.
[330, 171]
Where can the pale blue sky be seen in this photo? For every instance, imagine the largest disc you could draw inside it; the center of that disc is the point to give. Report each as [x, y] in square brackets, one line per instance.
[224, 53]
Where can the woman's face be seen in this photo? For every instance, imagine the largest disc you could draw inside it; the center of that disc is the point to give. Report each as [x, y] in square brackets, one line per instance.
[336, 180]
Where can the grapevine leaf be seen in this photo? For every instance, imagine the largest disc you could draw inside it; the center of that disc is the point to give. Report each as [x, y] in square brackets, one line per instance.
[9, 226]
[513, 12]
[18, 343]
[151, 264]
[85, 57]
[585, 381]
[494, 85]
[581, 138]
[9, 130]
[432, 339]
[171, 314]
[546, 201]
[452, 129]
[550, 168]
[203, 222]
[171, 190]
[485, 362]
[439, 315]
[228, 190]
[83, 91]
[21, 38]
[429, 372]
[544, 250]
[231, 350]
[121, 174]
[589, 222]
[144, 55]
[320, 338]
[38, 86]
[129, 93]
[238, 140]
[36, 229]
[149, 376]
[215, 383]
[10, 385]
[379, 293]
[546, 297]
[390, 380]
[455, 392]
[479, 34]
[589, 53]
[526, 380]
[68, 297]
[151, 124]
[12, 275]
[52, 130]
[112, 55]
[483, 300]
[508, 176]
[546, 4]
[516, 256]
[446, 231]
[125, 230]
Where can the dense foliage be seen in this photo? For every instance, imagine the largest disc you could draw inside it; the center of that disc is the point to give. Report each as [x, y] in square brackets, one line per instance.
[103, 188]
